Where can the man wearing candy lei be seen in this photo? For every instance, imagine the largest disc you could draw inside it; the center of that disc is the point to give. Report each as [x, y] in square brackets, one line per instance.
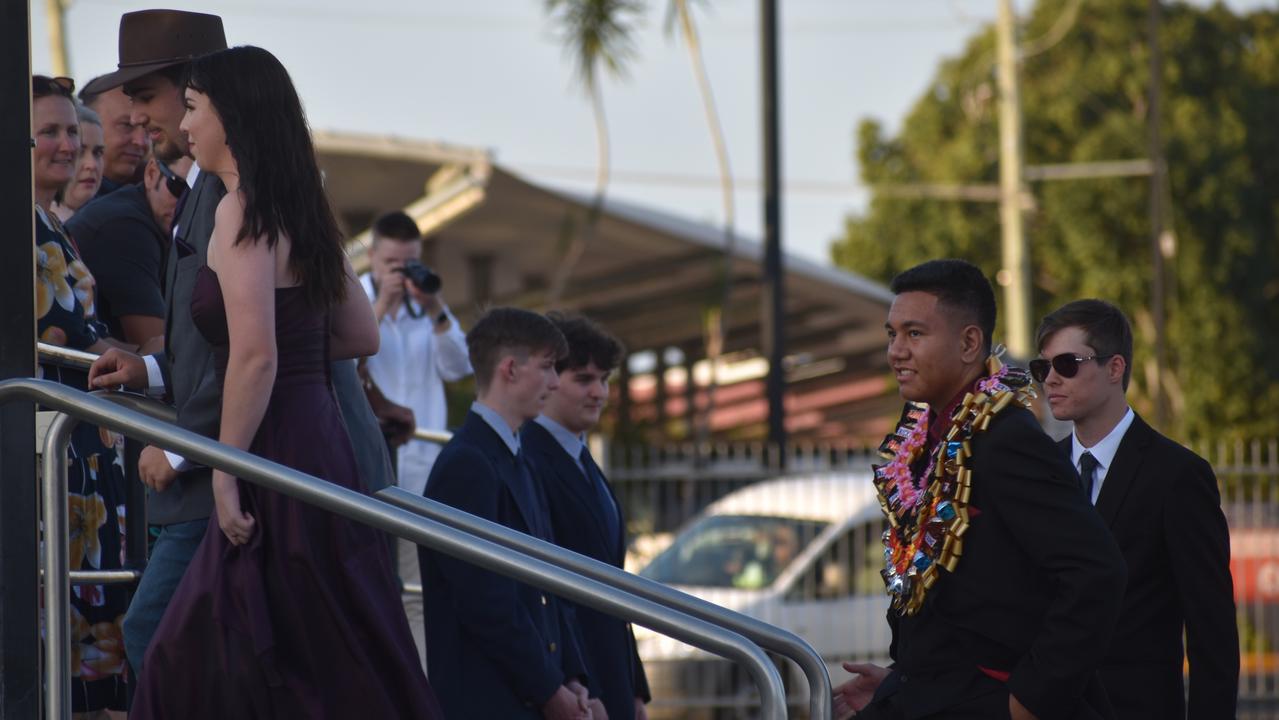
[1005, 585]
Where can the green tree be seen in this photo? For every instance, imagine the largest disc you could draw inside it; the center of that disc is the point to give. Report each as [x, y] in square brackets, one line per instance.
[1084, 99]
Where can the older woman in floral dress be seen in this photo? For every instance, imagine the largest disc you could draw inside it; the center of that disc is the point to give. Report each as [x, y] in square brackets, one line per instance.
[65, 316]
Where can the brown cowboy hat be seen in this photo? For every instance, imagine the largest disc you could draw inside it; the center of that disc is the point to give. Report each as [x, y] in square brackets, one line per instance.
[152, 40]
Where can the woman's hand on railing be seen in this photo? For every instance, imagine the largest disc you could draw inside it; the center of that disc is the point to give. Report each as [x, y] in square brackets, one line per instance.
[237, 525]
[117, 367]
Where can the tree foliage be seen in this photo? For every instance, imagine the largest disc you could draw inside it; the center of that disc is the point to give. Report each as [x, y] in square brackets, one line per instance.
[1085, 99]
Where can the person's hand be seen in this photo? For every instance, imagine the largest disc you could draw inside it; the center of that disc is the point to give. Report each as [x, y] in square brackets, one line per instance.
[397, 421]
[566, 705]
[596, 707]
[854, 695]
[1017, 711]
[237, 525]
[117, 367]
[154, 469]
[430, 303]
[390, 295]
[641, 710]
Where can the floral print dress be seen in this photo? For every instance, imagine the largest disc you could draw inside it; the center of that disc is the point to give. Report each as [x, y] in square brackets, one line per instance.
[96, 482]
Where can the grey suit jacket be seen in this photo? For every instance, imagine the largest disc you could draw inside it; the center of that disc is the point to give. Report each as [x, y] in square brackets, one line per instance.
[189, 377]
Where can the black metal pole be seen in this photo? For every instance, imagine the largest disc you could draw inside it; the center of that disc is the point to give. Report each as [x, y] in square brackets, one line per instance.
[19, 575]
[774, 340]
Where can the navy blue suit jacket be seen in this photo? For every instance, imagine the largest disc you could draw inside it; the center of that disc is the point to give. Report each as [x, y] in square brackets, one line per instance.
[577, 517]
[495, 648]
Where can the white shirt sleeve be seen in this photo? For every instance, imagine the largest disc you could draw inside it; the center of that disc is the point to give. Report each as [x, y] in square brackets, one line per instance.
[178, 462]
[451, 361]
[155, 378]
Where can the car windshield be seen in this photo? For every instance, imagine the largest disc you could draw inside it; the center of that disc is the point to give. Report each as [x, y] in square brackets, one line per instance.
[737, 551]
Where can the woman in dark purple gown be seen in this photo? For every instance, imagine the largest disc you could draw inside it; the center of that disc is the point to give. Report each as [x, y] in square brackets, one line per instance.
[286, 611]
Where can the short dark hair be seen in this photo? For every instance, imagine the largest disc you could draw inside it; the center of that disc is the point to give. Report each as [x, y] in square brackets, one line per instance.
[587, 343]
[396, 225]
[1106, 329]
[957, 284]
[510, 331]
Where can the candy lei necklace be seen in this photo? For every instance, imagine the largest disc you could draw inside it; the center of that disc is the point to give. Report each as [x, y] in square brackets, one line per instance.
[927, 518]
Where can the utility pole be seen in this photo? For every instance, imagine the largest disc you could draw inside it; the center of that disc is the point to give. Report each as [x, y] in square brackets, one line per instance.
[55, 12]
[1015, 275]
[774, 311]
[1158, 178]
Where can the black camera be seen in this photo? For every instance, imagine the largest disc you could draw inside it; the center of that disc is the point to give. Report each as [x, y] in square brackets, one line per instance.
[420, 275]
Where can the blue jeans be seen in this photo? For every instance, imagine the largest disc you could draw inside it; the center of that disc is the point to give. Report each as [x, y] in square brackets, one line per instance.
[169, 559]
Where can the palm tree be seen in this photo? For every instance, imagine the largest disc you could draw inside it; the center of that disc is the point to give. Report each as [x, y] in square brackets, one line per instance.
[598, 34]
[715, 320]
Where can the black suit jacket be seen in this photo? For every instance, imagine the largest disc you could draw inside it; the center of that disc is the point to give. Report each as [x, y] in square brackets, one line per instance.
[579, 524]
[495, 648]
[1036, 593]
[1161, 503]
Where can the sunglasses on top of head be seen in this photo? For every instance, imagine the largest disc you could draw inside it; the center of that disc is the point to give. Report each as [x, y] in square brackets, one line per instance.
[1066, 365]
[175, 185]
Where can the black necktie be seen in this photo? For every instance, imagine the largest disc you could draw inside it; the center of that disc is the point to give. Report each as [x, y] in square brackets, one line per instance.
[1087, 473]
[595, 477]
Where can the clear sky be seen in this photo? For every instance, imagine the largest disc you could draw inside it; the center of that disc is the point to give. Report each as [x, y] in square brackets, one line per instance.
[492, 74]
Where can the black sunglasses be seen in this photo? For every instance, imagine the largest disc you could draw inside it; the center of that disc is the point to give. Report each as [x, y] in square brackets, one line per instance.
[1066, 365]
[176, 185]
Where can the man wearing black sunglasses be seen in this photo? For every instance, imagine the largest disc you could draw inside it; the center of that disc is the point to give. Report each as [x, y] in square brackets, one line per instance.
[1161, 502]
[124, 239]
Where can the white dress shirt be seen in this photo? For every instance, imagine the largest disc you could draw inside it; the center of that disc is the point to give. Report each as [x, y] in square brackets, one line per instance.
[1103, 452]
[410, 369]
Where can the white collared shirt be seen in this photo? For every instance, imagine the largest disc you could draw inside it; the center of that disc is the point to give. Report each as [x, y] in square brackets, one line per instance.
[1103, 452]
[410, 368]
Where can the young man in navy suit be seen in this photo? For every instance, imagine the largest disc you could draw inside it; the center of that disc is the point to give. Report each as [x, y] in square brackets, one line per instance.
[584, 512]
[1161, 503]
[497, 648]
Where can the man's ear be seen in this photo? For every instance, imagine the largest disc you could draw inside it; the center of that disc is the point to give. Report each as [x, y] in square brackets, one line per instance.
[505, 369]
[972, 345]
[1115, 368]
[150, 174]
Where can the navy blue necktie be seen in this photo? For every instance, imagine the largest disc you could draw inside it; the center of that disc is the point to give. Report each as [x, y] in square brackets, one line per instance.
[1087, 474]
[612, 521]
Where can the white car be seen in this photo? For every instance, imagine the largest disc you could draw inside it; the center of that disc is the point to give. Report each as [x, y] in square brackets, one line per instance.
[802, 553]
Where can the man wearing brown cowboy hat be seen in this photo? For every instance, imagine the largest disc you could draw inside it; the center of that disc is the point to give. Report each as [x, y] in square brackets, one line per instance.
[155, 48]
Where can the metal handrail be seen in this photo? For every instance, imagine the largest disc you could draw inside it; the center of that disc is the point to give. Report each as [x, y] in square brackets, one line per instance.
[66, 356]
[348, 503]
[767, 636]
[83, 360]
[435, 436]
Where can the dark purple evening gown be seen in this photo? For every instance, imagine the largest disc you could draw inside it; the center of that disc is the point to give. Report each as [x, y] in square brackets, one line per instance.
[305, 620]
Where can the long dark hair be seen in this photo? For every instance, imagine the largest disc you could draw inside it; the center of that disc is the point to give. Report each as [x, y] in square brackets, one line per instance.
[268, 135]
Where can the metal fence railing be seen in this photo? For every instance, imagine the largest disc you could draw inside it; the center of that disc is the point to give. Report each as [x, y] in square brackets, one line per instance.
[74, 406]
[832, 596]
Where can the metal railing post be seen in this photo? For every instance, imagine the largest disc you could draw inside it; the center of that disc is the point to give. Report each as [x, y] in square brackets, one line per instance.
[378, 514]
[57, 587]
[767, 636]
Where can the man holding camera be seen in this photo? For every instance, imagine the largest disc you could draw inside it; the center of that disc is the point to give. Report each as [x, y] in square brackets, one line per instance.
[422, 348]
